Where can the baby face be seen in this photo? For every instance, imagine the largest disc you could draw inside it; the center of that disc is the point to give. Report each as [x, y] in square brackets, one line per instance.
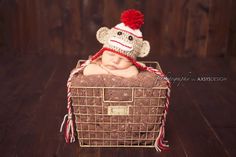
[114, 61]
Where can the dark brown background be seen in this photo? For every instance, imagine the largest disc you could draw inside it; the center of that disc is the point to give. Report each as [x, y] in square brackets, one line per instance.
[180, 28]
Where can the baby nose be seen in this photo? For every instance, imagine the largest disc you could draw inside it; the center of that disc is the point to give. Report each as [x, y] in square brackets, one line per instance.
[116, 59]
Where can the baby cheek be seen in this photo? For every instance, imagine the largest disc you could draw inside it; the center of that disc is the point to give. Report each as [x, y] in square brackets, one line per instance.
[105, 60]
[125, 64]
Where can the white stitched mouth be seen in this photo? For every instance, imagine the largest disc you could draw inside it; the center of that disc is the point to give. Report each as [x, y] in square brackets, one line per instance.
[120, 44]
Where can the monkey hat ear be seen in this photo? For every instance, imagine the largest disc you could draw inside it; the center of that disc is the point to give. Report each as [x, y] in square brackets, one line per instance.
[145, 49]
[102, 34]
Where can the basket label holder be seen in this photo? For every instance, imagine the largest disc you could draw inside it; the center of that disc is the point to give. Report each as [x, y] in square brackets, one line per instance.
[118, 110]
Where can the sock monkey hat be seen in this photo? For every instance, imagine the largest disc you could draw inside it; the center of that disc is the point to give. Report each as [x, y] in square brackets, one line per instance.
[125, 38]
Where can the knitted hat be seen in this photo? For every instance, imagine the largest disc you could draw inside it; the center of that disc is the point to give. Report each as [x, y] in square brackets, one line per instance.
[126, 38]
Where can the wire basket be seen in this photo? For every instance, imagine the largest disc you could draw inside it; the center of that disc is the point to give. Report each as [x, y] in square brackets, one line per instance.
[104, 121]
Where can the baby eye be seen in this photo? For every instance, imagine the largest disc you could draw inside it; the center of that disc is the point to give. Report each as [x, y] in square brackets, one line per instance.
[124, 59]
[127, 61]
[111, 53]
[119, 33]
[130, 38]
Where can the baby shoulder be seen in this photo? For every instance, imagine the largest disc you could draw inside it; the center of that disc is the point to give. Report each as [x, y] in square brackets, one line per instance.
[90, 69]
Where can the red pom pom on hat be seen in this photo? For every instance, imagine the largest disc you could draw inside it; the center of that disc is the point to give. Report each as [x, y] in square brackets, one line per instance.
[132, 18]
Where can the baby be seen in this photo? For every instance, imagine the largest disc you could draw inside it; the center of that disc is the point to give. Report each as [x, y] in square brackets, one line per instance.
[121, 45]
[112, 63]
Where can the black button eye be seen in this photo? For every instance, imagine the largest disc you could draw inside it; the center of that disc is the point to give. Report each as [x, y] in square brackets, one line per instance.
[119, 33]
[130, 38]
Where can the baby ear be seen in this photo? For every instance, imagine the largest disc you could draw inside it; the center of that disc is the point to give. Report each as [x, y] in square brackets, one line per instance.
[102, 34]
[145, 49]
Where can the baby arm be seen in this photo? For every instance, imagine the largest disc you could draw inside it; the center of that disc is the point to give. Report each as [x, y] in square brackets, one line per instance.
[94, 69]
[132, 71]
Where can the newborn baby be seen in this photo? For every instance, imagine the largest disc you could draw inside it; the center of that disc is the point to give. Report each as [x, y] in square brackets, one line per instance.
[122, 44]
[112, 63]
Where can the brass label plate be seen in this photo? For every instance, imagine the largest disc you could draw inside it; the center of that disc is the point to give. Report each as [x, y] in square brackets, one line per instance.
[118, 110]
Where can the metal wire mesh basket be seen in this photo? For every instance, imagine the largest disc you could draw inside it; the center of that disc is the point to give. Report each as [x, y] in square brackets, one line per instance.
[105, 122]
